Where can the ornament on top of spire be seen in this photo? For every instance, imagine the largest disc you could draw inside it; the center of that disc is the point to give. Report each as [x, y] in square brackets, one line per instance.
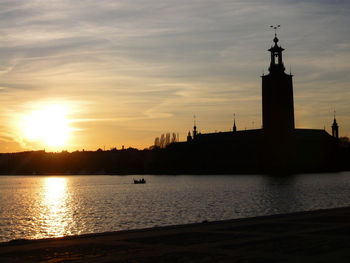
[275, 28]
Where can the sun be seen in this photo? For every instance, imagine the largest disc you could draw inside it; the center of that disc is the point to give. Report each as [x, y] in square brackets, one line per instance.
[48, 124]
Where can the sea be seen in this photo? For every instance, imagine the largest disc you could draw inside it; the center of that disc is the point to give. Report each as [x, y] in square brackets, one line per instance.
[34, 207]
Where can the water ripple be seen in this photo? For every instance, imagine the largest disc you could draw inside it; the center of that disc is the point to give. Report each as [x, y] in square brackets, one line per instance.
[40, 207]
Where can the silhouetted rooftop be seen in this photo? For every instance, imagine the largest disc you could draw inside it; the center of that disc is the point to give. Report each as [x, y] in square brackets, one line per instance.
[257, 134]
[230, 135]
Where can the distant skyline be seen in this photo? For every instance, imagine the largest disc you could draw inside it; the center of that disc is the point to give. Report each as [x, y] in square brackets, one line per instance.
[124, 72]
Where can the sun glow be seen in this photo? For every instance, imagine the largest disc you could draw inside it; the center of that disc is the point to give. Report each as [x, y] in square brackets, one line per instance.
[48, 124]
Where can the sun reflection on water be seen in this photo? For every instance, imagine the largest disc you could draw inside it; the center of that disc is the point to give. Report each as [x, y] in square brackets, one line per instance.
[54, 215]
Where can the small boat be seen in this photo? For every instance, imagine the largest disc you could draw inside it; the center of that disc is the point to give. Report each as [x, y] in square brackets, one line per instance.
[140, 181]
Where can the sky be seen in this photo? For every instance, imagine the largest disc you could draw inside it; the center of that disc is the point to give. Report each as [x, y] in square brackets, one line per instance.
[124, 72]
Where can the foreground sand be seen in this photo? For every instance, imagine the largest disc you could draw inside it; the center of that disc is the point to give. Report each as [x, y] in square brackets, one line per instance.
[319, 236]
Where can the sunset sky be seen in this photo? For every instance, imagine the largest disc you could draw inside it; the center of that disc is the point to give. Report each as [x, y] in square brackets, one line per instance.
[123, 72]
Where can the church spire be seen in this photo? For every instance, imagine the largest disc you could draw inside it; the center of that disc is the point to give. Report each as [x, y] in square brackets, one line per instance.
[276, 64]
[194, 127]
[189, 137]
[234, 123]
[335, 128]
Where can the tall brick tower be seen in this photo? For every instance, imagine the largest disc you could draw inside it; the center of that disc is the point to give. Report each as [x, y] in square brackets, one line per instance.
[277, 95]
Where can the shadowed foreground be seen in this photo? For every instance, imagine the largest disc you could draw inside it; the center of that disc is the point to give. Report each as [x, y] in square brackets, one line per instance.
[319, 236]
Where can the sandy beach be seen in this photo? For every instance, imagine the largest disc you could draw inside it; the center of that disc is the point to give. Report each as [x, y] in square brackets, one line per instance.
[316, 236]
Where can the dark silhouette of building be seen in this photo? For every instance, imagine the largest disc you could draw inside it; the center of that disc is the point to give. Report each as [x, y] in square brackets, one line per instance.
[277, 105]
[277, 95]
[278, 144]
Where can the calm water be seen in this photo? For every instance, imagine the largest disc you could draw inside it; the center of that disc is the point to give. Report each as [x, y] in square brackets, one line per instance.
[38, 207]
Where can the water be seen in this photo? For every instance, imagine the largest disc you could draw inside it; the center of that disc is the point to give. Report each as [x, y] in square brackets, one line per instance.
[39, 207]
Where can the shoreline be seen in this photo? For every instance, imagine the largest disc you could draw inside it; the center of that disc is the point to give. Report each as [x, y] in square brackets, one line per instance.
[302, 236]
[228, 173]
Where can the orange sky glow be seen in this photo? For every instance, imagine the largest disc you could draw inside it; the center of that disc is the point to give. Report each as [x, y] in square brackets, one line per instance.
[87, 74]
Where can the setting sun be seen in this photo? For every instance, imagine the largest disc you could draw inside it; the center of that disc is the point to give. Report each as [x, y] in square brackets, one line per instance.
[48, 124]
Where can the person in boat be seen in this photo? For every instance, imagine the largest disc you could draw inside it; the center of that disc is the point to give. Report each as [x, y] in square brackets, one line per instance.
[140, 181]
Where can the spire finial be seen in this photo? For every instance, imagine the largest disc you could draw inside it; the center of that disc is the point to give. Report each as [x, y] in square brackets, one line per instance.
[194, 120]
[275, 28]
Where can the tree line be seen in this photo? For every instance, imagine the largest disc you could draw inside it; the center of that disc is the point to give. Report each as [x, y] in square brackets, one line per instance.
[166, 139]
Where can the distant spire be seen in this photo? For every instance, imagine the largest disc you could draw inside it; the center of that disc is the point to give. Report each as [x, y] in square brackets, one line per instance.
[335, 127]
[189, 137]
[234, 122]
[334, 119]
[194, 127]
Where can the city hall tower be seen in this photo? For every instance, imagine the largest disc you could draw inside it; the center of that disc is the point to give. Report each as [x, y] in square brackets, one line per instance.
[277, 95]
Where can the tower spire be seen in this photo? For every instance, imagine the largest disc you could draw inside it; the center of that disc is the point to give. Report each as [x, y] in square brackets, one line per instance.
[276, 64]
[194, 127]
[335, 127]
[234, 122]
